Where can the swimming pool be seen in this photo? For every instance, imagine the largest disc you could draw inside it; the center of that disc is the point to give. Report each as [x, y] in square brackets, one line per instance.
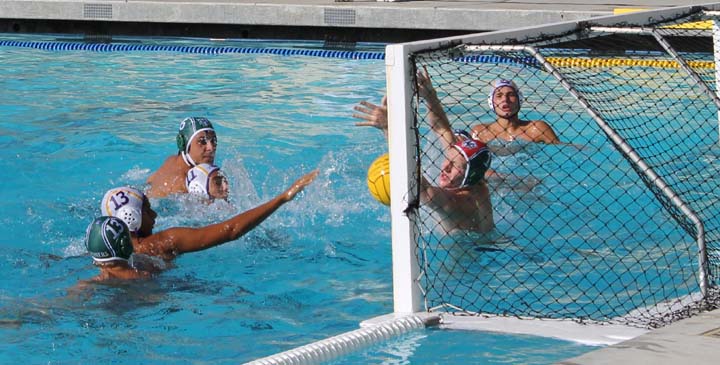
[76, 123]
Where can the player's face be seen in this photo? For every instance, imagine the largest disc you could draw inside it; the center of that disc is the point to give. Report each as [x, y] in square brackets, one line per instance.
[218, 186]
[506, 101]
[453, 169]
[203, 147]
[148, 219]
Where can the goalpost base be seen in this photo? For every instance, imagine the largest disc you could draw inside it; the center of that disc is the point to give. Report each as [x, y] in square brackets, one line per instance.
[563, 329]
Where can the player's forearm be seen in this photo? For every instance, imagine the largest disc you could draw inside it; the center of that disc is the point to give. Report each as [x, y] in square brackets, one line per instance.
[438, 119]
[248, 220]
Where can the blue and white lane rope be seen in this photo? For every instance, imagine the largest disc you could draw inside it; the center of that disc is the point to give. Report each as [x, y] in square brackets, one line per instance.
[120, 47]
[334, 347]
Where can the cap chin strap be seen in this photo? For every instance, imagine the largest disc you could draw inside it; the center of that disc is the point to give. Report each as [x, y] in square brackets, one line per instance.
[456, 188]
[509, 116]
[109, 259]
[188, 160]
[467, 168]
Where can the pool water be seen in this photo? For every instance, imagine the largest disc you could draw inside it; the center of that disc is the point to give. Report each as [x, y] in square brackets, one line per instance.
[76, 123]
[442, 346]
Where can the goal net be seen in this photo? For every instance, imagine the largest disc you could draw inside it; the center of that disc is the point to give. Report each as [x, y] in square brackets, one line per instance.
[619, 223]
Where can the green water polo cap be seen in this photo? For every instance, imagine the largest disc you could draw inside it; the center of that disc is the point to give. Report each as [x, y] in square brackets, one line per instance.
[108, 239]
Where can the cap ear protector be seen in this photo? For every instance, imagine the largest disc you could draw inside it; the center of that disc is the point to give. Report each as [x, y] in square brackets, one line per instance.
[108, 239]
[181, 142]
[125, 203]
[500, 83]
[189, 127]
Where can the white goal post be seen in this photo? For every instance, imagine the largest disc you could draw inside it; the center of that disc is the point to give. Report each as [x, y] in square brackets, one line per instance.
[409, 294]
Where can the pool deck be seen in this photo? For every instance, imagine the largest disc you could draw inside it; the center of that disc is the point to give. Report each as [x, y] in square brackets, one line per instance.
[691, 341]
[359, 20]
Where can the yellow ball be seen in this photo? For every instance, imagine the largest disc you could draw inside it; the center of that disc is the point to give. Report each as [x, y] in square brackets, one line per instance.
[378, 179]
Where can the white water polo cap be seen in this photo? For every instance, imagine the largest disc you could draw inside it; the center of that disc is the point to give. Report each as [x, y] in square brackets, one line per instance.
[108, 239]
[189, 128]
[198, 179]
[125, 203]
[502, 83]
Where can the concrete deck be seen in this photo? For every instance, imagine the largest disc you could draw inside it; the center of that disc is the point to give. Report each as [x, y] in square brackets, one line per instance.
[358, 20]
[691, 341]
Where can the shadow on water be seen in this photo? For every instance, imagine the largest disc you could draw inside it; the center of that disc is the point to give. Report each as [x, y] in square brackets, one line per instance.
[120, 298]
